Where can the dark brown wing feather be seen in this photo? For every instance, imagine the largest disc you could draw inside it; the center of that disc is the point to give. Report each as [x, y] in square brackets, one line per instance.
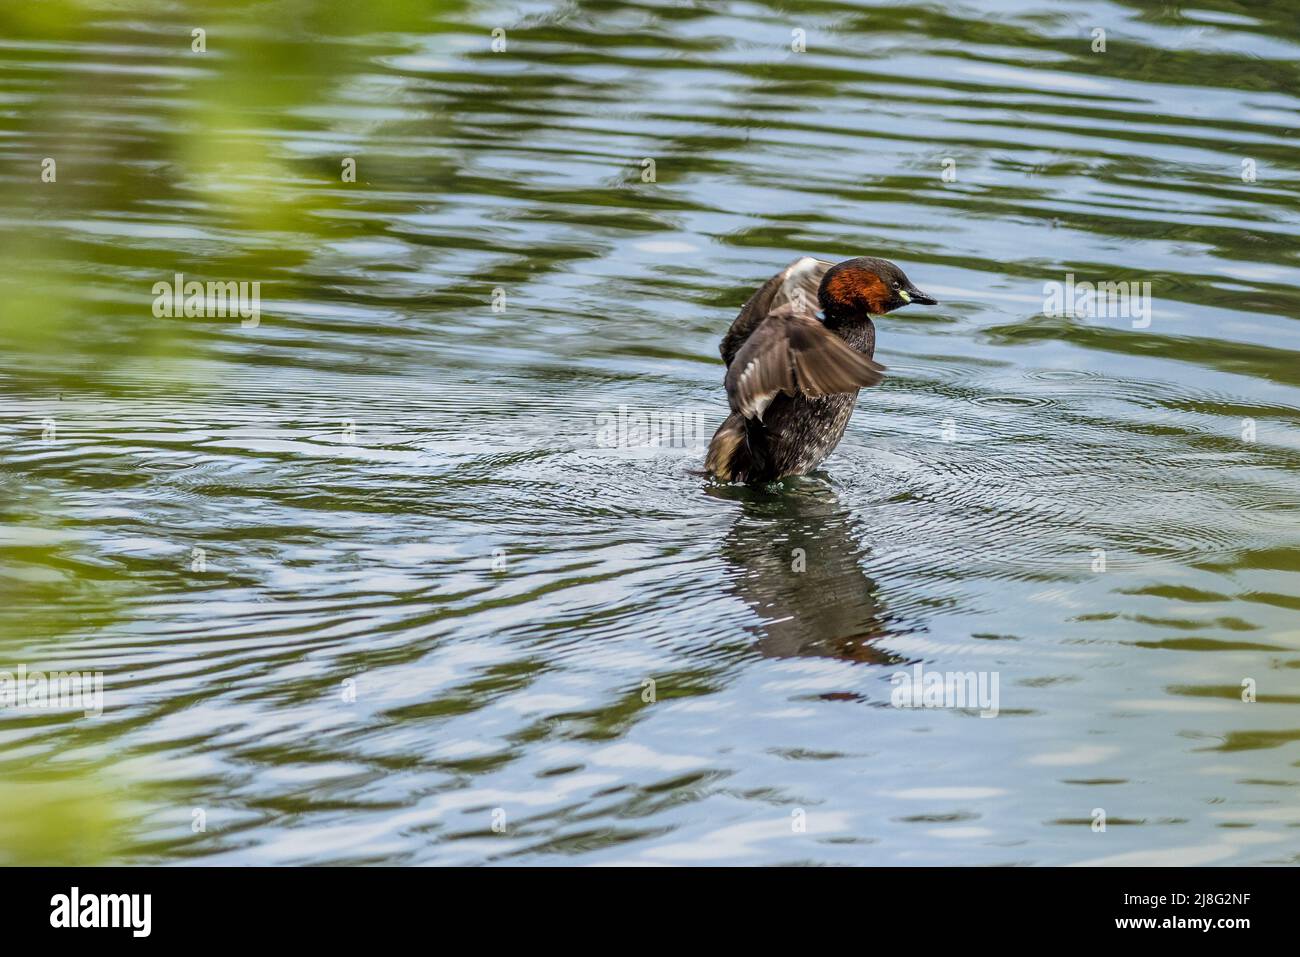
[795, 285]
[792, 352]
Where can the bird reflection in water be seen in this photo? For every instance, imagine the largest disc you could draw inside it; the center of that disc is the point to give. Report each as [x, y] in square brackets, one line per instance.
[795, 560]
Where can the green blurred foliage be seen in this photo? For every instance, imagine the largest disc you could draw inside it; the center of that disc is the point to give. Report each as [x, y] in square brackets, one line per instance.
[69, 820]
[167, 160]
[177, 156]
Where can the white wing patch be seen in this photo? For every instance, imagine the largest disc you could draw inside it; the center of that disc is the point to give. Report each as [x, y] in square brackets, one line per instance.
[759, 405]
[799, 283]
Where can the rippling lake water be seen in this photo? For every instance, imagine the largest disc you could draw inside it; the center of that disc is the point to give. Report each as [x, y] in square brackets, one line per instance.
[368, 581]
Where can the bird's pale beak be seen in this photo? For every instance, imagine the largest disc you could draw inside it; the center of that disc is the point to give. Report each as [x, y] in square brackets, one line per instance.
[915, 297]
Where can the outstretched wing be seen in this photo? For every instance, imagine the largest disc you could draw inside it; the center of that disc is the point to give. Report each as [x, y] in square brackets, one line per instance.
[792, 352]
[795, 285]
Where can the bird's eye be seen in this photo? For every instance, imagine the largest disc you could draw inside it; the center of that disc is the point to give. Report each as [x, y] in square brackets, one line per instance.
[897, 284]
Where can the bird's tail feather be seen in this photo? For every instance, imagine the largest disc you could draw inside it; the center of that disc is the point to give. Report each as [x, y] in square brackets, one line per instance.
[736, 452]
